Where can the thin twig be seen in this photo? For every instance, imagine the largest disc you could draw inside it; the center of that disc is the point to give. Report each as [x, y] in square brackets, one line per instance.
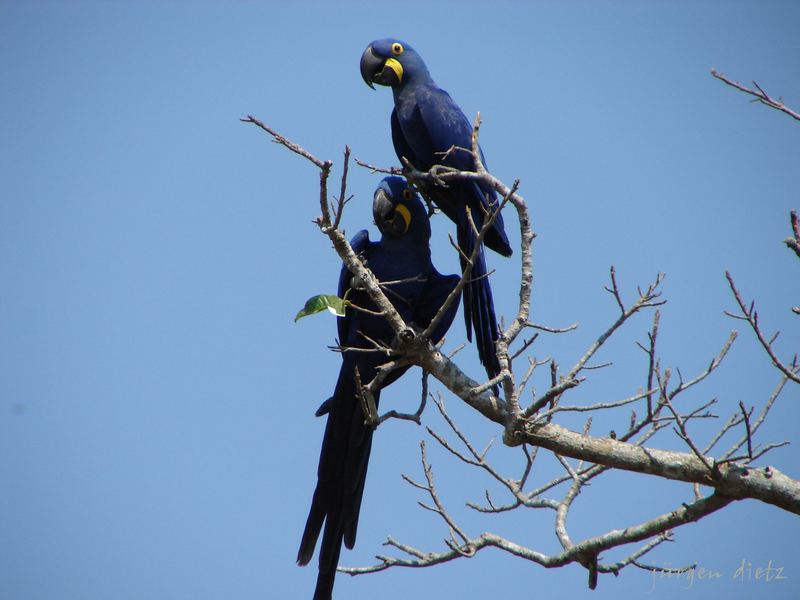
[416, 417]
[759, 94]
[549, 329]
[343, 191]
[646, 299]
[794, 241]
[755, 425]
[751, 316]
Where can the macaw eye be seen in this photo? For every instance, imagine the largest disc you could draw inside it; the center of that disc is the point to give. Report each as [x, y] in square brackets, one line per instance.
[407, 194]
[397, 49]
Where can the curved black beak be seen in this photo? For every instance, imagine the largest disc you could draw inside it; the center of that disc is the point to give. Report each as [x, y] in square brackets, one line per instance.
[386, 216]
[371, 66]
[382, 207]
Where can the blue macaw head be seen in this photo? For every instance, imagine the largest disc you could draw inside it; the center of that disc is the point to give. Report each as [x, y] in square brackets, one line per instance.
[398, 211]
[390, 62]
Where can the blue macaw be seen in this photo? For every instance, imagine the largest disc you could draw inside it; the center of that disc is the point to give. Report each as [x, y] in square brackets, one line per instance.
[426, 124]
[402, 255]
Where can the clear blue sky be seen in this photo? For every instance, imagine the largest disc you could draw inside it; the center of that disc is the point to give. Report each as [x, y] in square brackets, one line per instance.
[157, 437]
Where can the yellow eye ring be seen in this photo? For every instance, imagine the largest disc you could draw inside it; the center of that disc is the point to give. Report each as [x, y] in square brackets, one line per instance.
[407, 194]
[397, 48]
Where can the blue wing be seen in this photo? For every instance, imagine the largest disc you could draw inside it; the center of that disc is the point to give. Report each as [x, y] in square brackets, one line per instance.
[437, 288]
[425, 129]
[433, 126]
[401, 147]
[346, 445]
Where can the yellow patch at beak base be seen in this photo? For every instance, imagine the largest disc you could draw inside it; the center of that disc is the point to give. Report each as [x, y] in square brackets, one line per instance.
[403, 212]
[395, 66]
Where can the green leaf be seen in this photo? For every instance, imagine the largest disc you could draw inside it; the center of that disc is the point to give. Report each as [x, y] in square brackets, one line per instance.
[316, 304]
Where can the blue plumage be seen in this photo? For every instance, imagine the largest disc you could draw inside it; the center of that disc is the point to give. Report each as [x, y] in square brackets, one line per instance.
[426, 123]
[402, 255]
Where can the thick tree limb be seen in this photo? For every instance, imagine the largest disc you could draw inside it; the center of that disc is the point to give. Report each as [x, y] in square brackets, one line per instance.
[732, 481]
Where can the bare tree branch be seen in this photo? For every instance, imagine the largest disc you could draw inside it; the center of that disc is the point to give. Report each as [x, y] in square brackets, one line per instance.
[793, 242]
[579, 552]
[779, 489]
[416, 417]
[729, 475]
[646, 299]
[751, 316]
[759, 94]
[754, 426]
[730, 480]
